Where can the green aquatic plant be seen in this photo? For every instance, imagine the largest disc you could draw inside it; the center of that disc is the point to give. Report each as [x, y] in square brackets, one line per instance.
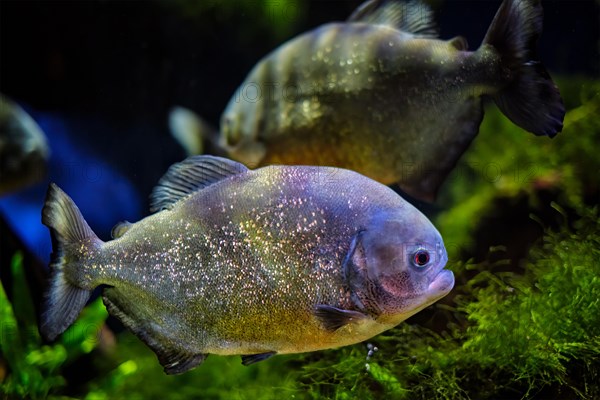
[29, 368]
[543, 328]
[134, 373]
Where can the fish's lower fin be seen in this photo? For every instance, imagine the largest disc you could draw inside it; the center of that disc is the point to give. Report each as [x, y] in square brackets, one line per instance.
[531, 100]
[254, 358]
[173, 358]
[334, 318]
[67, 294]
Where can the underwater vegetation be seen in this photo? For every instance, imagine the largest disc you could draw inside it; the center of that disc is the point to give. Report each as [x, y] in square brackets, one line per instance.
[522, 322]
[519, 216]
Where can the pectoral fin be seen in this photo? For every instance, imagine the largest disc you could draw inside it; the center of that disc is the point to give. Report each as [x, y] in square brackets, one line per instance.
[254, 358]
[334, 318]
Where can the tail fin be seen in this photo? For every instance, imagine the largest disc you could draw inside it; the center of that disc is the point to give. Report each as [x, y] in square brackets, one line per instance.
[531, 100]
[65, 299]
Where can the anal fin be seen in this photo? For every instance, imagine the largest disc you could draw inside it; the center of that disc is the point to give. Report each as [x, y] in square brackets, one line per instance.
[456, 136]
[178, 363]
[173, 358]
[254, 358]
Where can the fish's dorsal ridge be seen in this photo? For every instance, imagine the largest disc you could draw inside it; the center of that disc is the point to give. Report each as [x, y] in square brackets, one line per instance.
[192, 174]
[411, 16]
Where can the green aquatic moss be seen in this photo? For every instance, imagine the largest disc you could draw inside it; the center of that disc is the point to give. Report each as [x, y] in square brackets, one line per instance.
[31, 368]
[392, 372]
[528, 328]
[543, 328]
[134, 373]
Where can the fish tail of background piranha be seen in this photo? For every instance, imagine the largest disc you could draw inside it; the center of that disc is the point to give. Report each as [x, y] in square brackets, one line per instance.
[531, 99]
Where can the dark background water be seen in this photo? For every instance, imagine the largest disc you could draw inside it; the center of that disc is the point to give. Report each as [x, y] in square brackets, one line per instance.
[101, 77]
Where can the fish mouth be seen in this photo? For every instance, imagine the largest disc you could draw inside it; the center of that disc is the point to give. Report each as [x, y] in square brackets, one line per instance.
[442, 283]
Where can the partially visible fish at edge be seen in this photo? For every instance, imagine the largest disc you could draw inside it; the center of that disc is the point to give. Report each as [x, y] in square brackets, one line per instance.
[24, 150]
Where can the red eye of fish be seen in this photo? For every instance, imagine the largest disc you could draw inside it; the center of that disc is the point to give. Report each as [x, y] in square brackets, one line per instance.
[421, 258]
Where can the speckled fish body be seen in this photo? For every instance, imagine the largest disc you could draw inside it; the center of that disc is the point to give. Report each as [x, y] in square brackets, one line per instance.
[379, 94]
[275, 260]
[23, 148]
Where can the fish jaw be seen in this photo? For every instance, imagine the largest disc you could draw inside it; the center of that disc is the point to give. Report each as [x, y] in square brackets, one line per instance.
[438, 288]
[441, 285]
[443, 281]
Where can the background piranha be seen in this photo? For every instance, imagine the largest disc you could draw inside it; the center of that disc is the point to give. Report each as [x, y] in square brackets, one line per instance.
[277, 260]
[381, 95]
[518, 214]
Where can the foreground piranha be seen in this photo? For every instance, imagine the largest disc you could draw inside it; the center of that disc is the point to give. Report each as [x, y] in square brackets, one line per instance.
[283, 259]
[379, 94]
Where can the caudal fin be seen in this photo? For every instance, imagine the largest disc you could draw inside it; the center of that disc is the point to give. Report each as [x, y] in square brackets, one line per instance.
[70, 233]
[531, 100]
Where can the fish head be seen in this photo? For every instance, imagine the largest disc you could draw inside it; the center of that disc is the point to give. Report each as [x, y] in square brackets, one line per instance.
[397, 266]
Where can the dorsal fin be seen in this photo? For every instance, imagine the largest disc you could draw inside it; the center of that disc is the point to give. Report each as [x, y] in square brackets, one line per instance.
[411, 16]
[190, 175]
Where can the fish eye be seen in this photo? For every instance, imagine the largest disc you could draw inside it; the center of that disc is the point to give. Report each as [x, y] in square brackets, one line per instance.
[421, 258]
